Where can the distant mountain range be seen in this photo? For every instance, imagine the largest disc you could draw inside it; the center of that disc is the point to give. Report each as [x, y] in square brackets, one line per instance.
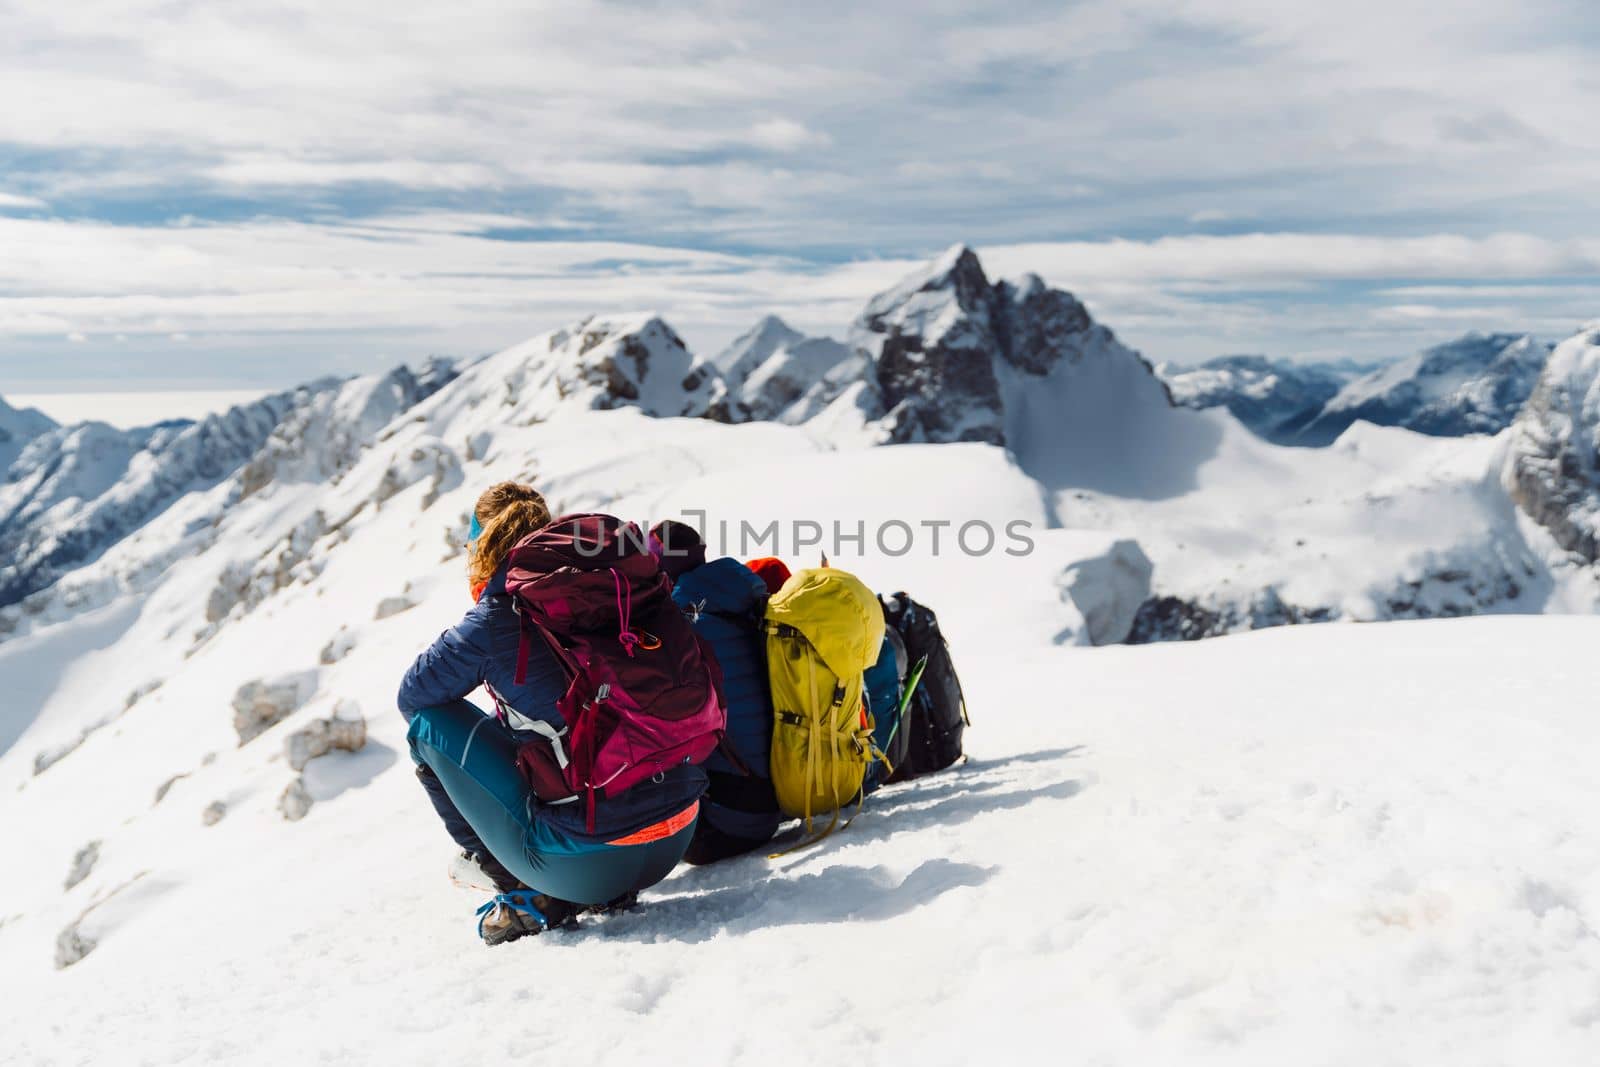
[1474, 384]
[947, 356]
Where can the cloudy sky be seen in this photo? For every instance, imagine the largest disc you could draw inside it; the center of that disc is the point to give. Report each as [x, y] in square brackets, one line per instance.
[243, 193]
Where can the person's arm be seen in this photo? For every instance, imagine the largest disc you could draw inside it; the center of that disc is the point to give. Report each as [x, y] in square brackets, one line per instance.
[448, 670]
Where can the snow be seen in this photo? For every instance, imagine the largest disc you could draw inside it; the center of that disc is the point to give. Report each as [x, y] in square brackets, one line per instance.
[928, 303]
[1315, 844]
[1145, 853]
[776, 373]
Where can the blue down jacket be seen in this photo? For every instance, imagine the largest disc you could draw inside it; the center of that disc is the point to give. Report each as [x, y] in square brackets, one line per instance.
[724, 600]
[481, 649]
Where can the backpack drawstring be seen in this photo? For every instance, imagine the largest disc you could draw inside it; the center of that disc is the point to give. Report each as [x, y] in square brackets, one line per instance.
[625, 637]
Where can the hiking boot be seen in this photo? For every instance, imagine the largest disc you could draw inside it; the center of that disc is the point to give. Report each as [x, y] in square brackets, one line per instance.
[521, 914]
[468, 872]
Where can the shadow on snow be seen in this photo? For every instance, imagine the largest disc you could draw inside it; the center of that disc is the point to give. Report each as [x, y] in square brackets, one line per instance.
[752, 892]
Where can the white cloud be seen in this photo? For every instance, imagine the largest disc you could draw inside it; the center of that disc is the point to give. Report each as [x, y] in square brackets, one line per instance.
[784, 135]
[1271, 258]
[1374, 144]
[412, 173]
[1088, 117]
[436, 282]
[16, 202]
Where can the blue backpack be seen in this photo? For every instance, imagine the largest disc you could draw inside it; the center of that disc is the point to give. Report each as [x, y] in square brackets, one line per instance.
[883, 684]
[724, 601]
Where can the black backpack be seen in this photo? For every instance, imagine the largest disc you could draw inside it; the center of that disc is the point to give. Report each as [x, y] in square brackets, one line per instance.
[936, 718]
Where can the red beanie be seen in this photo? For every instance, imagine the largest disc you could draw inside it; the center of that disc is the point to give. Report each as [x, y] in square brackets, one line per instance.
[771, 570]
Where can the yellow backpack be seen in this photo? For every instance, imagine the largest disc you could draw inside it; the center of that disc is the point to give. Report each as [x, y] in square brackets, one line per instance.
[824, 629]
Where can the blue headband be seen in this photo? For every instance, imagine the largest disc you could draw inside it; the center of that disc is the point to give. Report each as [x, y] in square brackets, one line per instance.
[473, 529]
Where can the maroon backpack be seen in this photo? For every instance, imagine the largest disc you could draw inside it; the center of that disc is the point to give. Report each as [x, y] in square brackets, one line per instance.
[644, 694]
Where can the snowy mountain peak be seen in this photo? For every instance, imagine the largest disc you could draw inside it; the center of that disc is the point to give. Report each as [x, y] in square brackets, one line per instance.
[775, 373]
[600, 362]
[18, 426]
[945, 343]
[946, 302]
[1474, 384]
[1274, 398]
[754, 347]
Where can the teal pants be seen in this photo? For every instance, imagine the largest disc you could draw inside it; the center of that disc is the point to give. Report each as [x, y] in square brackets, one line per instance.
[475, 759]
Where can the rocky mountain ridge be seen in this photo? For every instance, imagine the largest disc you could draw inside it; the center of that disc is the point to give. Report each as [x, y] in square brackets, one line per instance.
[945, 356]
[1474, 384]
[1274, 398]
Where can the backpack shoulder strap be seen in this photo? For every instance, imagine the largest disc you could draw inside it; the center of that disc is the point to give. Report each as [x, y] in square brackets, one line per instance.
[527, 625]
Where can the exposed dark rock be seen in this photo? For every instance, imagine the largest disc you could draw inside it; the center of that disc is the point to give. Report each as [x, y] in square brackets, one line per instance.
[392, 605]
[296, 801]
[1552, 466]
[942, 345]
[166, 787]
[83, 862]
[347, 731]
[260, 704]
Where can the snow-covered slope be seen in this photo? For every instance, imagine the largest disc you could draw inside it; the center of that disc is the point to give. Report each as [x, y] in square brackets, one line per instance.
[1273, 398]
[1553, 459]
[18, 426]
[76, 490]
[1144, 852]
[1227, 851]
[1383, 524]
[1241, 534]
[1474, 384]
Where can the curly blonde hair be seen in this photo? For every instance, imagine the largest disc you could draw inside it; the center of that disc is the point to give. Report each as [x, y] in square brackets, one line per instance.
[507, 512]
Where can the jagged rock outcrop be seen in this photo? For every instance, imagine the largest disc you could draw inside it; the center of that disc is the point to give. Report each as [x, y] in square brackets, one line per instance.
[244, 584]
[601, 362]
[72, 945]
[1275, 399]
[950, 352]
[83, 862]
[1474, 384]
[337, 648]
[1552, 467]
[166, 787]
[390, 606]
[260, 704]
[1452, 587]
[295, 802]
[346, 730]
